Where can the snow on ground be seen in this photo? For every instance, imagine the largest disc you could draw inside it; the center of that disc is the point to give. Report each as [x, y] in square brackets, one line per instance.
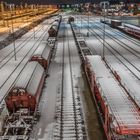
[9, 68]
[50, 100]
[127, 78]
[45, 127]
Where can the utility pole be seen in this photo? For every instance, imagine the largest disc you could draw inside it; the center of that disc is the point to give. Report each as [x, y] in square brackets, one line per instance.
[104, 36]
[81, 22]
[34, 10]
[88, 24]
[89, 11]
[14, 44]
[81, 19]
[104, 4]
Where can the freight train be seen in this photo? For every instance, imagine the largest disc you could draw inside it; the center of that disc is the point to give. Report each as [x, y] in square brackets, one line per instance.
[22, 100]
[119, 115]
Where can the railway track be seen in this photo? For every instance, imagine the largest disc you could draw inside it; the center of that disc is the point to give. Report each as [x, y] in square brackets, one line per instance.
[116, 32]
[124, 35]
[84, 51]
[133, 68]
[128, 79]
[14, 68]
[69, 118]
[134, 50]
[82, 48]
[25, 39]
[120, 34]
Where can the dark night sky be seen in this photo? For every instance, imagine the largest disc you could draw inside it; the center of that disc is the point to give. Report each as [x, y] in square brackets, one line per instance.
[62, 1]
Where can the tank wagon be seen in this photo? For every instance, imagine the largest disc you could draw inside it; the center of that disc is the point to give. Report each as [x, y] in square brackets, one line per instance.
[43, 56]
[22, 102]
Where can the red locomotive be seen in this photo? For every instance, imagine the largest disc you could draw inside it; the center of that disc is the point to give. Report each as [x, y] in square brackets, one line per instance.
[22, 103]
[26, 92]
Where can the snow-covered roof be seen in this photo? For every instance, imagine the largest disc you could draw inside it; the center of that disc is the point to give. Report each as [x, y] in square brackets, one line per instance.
[43, 51]
[125, 114]
[30, 77]
[132, 26]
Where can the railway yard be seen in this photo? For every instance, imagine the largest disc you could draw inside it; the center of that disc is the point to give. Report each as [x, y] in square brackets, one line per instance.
[71, 78]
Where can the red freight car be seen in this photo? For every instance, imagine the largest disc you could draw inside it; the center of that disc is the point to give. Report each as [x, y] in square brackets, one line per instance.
[120, 116]
[43, 56]
[132, 30]
[27, 90]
